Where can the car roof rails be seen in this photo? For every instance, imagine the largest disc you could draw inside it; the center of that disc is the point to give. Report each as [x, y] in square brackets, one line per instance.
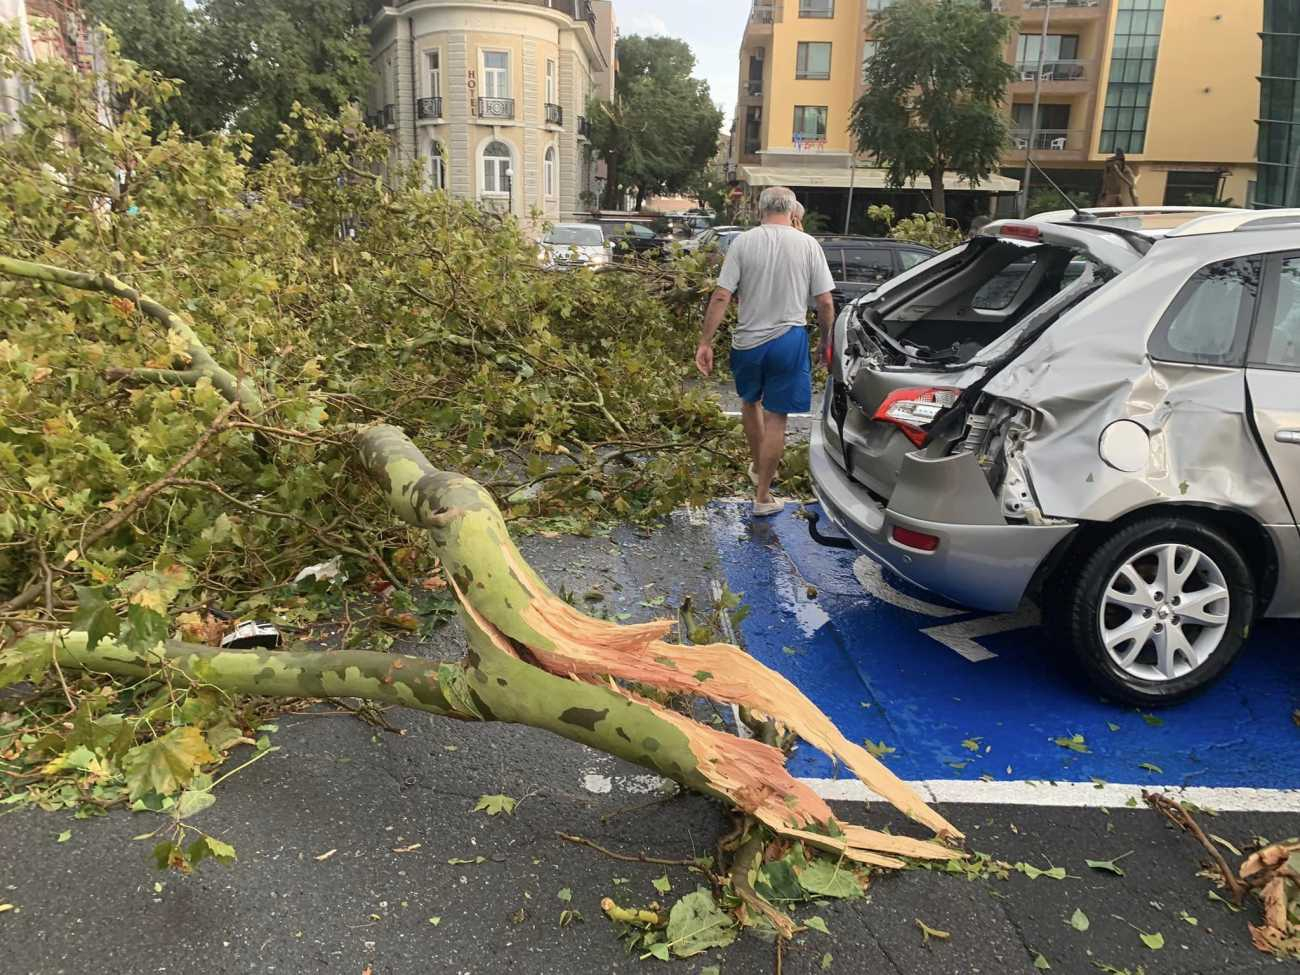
[1234, 221]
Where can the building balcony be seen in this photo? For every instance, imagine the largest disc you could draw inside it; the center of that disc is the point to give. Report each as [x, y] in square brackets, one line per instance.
[754, 88]
[763, 15]
[554, 114]
[496, 108]
[428, 109]
[390, 116]
[1058, 144]
[579, 10]
[1054, 71]
[584, 127]
[1063, 11]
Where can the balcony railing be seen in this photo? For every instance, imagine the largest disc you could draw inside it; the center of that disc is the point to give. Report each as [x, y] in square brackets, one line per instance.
[765, 12]
[1054, 70]
[428, 109]
[1048, 140]
[554, 114]
[503, 108]
[390, 116]
[1039, 4]
[584, 127]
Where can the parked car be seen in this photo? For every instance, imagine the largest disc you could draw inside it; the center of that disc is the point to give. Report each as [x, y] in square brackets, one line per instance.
[708, 238]
[1102, 410]
[859, 265]
[633, 239]
[570, 245]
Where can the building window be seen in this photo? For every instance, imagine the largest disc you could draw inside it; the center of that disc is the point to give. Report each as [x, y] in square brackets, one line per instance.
[1051, 132]
[437, 167]
[813, 60]
[550, 83]
[548, 172]
[1132, 71]
[1193, 188]
[1279, 109]
[433, 74]
[496, 169]
[809, 123]
[875, 6]
[1059, 47]
[816, 8]
[753, 129]
[496, 74]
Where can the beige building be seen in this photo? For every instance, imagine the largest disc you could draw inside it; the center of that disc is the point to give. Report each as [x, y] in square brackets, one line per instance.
[50, 29]
[1172, 82]
[490, 96]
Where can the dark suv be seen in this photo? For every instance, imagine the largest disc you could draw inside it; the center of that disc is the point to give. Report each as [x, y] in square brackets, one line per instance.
[861, 264]
[632, 239]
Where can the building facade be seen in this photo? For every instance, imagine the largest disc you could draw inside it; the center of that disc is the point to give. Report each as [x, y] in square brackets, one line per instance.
[50, 29]
[1171, 83]
[1279, 107]
[490, 96]
[1175, 89]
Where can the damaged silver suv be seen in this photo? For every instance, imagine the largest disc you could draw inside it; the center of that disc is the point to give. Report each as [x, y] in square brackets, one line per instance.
[1099, 410]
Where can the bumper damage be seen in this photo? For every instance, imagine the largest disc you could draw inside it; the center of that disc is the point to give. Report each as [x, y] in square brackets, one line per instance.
[980, 560]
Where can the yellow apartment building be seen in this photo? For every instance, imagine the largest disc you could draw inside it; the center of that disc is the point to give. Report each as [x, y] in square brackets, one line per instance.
[1171, 82]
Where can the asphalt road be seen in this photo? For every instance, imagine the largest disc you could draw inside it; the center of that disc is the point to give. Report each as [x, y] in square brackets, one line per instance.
[94, 904]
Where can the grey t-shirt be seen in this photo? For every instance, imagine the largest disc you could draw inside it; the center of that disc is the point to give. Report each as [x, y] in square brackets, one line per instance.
[775, 270]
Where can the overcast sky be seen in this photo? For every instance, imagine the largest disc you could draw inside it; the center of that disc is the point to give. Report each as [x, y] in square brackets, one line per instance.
[712, 28]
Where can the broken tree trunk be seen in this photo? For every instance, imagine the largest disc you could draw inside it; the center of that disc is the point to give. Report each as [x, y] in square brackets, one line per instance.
[536, 660]
[533, 658]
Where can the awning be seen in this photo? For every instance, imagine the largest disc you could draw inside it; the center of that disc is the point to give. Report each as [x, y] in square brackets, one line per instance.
[863, 179]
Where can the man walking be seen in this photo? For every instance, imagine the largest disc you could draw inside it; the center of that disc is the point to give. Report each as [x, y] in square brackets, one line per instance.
[775, 270]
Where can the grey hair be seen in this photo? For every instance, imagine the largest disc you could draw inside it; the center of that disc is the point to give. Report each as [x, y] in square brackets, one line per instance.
[797, 213]
[777, 200]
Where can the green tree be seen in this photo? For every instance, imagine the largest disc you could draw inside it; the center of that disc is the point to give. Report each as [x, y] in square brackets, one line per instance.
[661, 131]
[933, 100]
[246, 63]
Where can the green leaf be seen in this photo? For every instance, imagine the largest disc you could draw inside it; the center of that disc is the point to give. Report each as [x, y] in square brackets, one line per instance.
[695, 924]
[826, 962]
[496, 805]
[1041, 963]
[827, 879]
[972, 744]
[928, 932]
[878, 748]
[26, 660]
[1214, 895]
[1111, 866]
[145, 629]
[662, 884]
[1074, 743]
[1152, 720]
[194, 801]
[711, 970]
[165, 765]
[565, 894]
[435, 920]
[659, 951]
[1188, 918]
[1148, 766]
[1155, 941]
[1079, 921]
[209, 846]
[94, 615]
[817, 924]
[64, 836]
[1033, 872]
[1113, 727]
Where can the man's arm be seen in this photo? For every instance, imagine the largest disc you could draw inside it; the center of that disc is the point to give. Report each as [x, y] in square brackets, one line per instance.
[713, 316]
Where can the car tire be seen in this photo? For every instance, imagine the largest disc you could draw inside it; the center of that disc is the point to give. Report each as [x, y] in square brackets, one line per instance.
[1131, 641]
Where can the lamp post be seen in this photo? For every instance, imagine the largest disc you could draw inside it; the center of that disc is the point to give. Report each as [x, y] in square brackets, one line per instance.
[1033, 119]
[510, 189]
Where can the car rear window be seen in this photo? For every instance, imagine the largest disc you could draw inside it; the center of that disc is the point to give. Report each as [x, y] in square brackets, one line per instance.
[867, 266]
[1209, 320]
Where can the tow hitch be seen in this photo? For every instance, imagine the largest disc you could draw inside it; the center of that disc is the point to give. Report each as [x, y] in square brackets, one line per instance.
[830, 542]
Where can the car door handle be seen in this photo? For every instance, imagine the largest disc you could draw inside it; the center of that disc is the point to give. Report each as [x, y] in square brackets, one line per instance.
[1288, 436]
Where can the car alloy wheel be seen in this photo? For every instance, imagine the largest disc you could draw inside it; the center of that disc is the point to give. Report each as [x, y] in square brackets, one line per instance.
[1164, 612]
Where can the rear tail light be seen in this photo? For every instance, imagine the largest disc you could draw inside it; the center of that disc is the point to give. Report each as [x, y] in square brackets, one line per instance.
[913, 410]
[917, 540]
[1022, 231]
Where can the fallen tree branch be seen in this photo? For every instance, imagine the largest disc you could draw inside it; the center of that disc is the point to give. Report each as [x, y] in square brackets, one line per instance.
[625, 857]
[1184, 820]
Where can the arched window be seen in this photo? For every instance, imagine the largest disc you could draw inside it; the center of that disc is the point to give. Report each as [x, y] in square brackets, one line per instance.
[548, 171]
[496, 168]
[437, 166]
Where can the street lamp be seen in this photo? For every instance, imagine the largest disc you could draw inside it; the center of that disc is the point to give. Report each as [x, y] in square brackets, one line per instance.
[1033, 118]
[510, 189]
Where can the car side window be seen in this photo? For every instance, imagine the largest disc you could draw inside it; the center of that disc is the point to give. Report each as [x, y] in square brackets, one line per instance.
[639, 231]
[1279, 345]
[863, 266]
[835, 259]
[1209, 321]
[910, 259]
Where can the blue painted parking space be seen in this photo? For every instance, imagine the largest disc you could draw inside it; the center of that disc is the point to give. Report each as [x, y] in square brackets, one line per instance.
[962, 695]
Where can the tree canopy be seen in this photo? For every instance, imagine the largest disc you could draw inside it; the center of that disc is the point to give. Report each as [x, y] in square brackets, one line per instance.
[662, 128]
[245, 63]
[934, 90]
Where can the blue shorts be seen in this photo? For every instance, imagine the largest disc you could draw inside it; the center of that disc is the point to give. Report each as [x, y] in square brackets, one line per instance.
[777, 374]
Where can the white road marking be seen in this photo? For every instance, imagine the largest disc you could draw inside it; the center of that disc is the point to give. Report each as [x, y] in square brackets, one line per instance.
[698, 517]
[1076, 795]
[869, 572]
[961, 637]
[793, 416]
